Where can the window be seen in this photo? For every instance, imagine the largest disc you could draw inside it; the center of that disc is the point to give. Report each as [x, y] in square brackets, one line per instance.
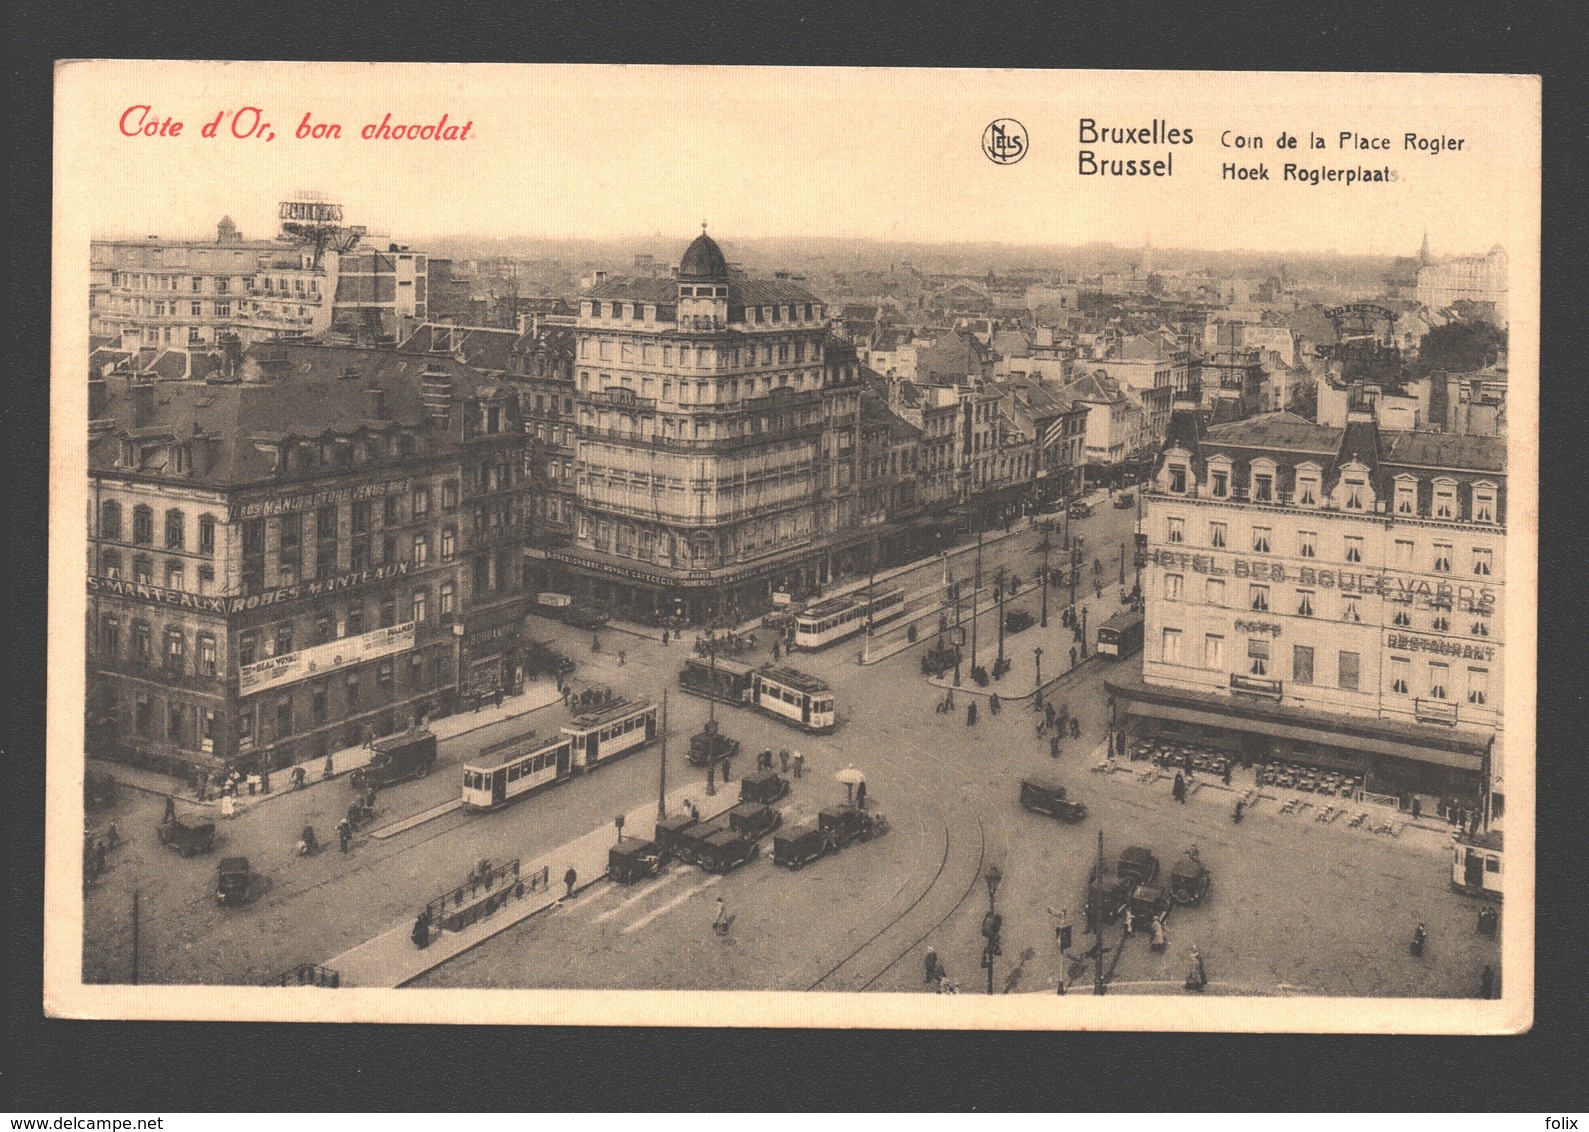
[1307, 490]
[1349, 610]
[317, 703]
[1260, 540]
[1258, 657]
[1304, 603]
[110, 520]
[1307, 543]
[110, 636]
[1258, 598]
[421, 605]
[1478, 686]
[1170, 651]
[1445, 499]
[1402, 618]
[143, 714]
[1400, 675]
[353, 702]
[1172, 587]
[206, 661]
[176, 575]
[1483, 503]
[206, 534]
[1406, 496]
[174, 729]
[325, 628]
[142, 644]
[143, 571]
[1355, 492]
[1480, 629]
[1442, 558]
[1354, 548]
[142, 524]
[1302, 664]
[421, 550]
[1404, 549]
[1439, 680]
[1178, 478]
[448, 599]
[247, 648]
[1347, 670]
[421, 502]
[388, 611]
[449, 543]
[284, 716]
[283, 639]
[354, 623]
[391, 510]
[361, 517]
[1214, 591]
[1483, 560]
[1214, 652]
[1440, 623]
[110, 564]
[1221, 483]
[1263, 488]
[1176, 530]
[1217, 535]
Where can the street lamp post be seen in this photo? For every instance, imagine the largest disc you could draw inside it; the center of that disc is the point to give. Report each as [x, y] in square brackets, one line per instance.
[1084, 632]
[992, 924]
[662, 767]
[1000, 663]
[1044, 547]
[1037, 654]
[976, 593]
[1122, 564]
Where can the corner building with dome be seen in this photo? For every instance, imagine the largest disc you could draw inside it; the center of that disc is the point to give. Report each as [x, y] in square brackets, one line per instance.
[716, 438]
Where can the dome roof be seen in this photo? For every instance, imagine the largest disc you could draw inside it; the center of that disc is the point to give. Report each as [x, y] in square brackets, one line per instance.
[703, 259]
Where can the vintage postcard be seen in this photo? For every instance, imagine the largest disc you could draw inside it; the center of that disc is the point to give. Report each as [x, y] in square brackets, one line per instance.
[793, 547]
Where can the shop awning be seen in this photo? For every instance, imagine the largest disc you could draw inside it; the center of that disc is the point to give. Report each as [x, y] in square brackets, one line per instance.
[1303, 734]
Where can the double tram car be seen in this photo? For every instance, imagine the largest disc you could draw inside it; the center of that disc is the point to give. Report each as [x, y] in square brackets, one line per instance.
[727, 680]
[793, 696]
[842, 617]
[611, 731]
[514, 767]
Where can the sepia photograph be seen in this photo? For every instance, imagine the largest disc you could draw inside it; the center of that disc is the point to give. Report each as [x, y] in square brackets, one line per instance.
[757, 546]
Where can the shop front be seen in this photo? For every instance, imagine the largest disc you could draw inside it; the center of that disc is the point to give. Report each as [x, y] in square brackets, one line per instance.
[490, 662]
[1386, 757]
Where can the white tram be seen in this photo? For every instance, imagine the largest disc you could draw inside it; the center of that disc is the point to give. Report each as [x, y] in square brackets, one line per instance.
[842, 617]
[610, 731]
[793, 696]
[514, 767]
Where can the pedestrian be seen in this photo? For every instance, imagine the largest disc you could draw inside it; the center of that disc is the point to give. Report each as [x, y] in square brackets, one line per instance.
[1227, 779]
[1186, 762]
[722, 920]
[664, 638]
[1049, 713]
[330, 770]
[971, 714]
[623, 656]
[727, 766]
[570, 878]
[99, 860]
[421, 932]
[799, 764]
[783, 759]
[228, 805]
[595, 643]
[775, 650]
[345, 834]
[1073, 656]
[1075, 728]
[1487, 983]
[369, 797]
[1159, 942]
[1053, 747]
[1131, 923]
[1419, 938]
[171, 809]
[860, 795]
[567, 694]
[1417, 807]
[1111, 702]
[931, 968]
[993, 703]
[1179, 788]
[1197, 977]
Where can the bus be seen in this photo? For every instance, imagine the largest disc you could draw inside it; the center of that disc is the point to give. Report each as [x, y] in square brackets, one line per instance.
[1120, 636]
[514, 767]
[842, 617]
[727, 680]
[607, 732]
[793, 696]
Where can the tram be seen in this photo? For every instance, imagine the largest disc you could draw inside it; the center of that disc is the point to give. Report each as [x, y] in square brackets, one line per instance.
[1120, 636]
[842, 617]
[515, 767]
[794, 697]
[727, 681]
[605, 733]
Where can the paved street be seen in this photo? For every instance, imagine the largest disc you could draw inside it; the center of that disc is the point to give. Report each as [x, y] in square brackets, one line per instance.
[1296, 906]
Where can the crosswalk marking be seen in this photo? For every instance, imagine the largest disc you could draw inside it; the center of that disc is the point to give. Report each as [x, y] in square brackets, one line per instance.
[641, 895]
[671, 904]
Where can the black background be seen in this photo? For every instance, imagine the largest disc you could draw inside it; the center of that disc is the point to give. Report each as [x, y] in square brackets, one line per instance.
[121, 1067]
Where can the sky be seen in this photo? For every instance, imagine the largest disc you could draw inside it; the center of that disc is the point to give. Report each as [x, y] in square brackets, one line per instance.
[609, 152]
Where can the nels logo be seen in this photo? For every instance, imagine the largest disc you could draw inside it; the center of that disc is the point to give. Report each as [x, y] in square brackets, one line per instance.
[1004, 141]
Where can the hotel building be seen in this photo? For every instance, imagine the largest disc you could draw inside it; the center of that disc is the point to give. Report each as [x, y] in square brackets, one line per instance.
[1328, 596]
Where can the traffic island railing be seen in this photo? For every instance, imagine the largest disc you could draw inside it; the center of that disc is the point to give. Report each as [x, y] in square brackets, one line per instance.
[487, 889]
[305, 975]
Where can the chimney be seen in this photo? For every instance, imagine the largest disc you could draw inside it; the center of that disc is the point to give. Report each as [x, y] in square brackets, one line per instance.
[436, 392]
[96, 398]
[601, 277]
[375, 404]
[142, 404]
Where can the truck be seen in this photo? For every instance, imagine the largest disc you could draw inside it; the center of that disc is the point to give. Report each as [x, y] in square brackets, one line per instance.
[410, 754]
